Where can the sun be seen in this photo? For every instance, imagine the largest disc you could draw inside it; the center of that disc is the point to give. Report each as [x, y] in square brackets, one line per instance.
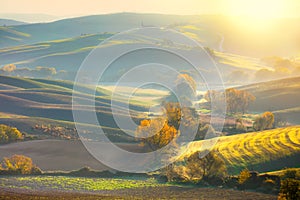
[255, 15]
[261, 9]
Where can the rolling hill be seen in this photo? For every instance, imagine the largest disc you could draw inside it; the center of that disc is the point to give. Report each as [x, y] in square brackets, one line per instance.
[211, 30]
[279, 96]
[263, 151]
[10, 22]
[68, 54]
[26, 103]
[67, 28]
[64, 54]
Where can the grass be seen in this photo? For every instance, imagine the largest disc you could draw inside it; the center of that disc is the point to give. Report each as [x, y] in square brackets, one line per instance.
[40, 54]
[75, 183]
[271, 149]
[241, 62]
[41, 101]
[279, 96]
[11, 30]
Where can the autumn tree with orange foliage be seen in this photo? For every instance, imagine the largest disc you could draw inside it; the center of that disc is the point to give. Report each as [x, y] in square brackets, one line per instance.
[156, 133]
[19, 164]
[159, 132]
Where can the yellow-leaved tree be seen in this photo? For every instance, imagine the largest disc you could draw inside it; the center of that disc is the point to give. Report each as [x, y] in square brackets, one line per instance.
[156, 133]
[9, 134]
[263, 122]
[19, 164]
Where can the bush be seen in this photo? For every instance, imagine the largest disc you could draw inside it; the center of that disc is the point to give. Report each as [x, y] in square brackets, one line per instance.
[19, 164]
[196, 168]
[9, 134]
[290, 189]
[263, 122]
[292, 174]
[244, 176]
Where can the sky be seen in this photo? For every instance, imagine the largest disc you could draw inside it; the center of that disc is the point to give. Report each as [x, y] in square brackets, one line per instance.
[56, 9]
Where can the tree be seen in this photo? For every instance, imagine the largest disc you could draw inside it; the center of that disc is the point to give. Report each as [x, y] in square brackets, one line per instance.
[173, 113]
[9, 68]
[289, 189]
[9, 134]
[156, 133]
[244, 176]
[19, 164]
[204, 130]
[237, 101]
[263, 122]
[184, 91]
[216, 100]
[239, 124]
[186, 85]
[196, 168]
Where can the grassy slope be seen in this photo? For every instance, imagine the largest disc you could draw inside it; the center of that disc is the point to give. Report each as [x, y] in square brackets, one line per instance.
[68, 54]
[50, 102]
[237, 40]
[32, 45]
[263, 151]
[32, 33]
[280, 96]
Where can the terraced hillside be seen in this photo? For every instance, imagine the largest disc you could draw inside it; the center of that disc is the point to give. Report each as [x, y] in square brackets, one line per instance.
[263, 151]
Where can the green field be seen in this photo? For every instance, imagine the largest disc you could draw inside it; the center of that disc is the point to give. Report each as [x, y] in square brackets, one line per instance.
[74, 183]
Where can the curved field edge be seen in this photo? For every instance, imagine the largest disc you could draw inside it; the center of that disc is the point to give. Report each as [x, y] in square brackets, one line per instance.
[263, 151]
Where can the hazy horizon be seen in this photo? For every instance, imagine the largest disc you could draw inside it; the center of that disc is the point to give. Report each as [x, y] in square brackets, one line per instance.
[45, 11]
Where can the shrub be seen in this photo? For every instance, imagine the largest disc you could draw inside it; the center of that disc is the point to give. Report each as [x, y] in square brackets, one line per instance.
[263, 122]
[244, 176]
[19, 164]
[196, 168]
[9, 134]
[290, 189]
[291, 173]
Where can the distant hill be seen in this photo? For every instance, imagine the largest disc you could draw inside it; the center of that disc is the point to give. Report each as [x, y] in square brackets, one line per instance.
[29, 17]
[208, 29]
[68, 54]
[72, 27]
[10, 22]
[279, 96]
